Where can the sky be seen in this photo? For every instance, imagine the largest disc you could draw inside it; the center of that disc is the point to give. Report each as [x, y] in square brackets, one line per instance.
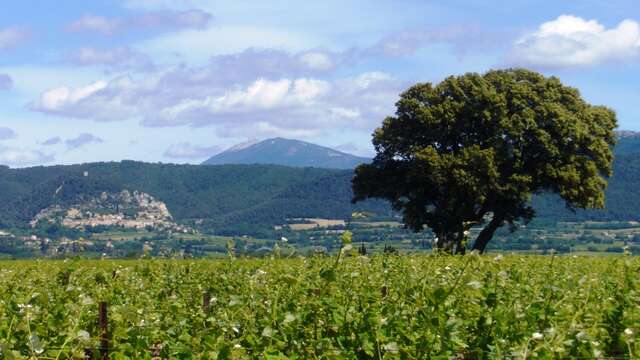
[177, 81]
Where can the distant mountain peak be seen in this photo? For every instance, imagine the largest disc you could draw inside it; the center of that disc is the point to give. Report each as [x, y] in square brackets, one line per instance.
[243, 145]
[287, 152]
[627, 133]
[628, 143]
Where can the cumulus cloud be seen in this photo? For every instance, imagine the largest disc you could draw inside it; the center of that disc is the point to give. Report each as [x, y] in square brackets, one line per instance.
[255, 93]
[187, 150]
[13, 36]
[281, 107]
[82, 140]
[6, 83]
[187, 19]
[119, 99]
[302, 107]
[317, 60]
[23, 157]
[117, 58]
[256, 101]
[74, 102]
[6, 133]
[573, 41]
[261, 95]
[52, 141]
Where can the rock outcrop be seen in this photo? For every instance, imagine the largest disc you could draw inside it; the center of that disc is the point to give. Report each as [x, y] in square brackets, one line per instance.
[126, 209]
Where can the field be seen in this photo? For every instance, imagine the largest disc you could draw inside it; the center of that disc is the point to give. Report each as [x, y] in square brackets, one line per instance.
[381, 306]
[315, 223]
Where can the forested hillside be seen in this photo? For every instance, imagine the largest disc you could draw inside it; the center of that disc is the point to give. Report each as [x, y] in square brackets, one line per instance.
[216, 196]
[239, 198]
[622, 195]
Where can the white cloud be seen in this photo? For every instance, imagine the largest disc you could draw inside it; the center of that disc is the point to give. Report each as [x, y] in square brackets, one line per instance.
[265, 94]
[317, 60]
[120, 99]
[573, 41]
[61, 98]
[346, 113]
[284, 107]
[186, 150]
[366, 80]
[255, 93]
[23, 157]
[33, 78]
[262, 95]
[13, 36]
[194, 19]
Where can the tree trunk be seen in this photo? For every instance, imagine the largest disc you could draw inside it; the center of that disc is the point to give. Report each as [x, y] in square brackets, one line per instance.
[451, 242]
[440, 240]
[460, 244]
[446, 242]
[487, 233]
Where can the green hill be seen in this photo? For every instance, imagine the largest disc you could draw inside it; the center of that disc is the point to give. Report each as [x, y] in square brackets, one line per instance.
[241, 199]
[622, 194]
[224, 197]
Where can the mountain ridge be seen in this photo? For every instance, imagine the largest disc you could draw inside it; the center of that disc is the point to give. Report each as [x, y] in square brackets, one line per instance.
[222, 198]
[243, 199]
[286, 152]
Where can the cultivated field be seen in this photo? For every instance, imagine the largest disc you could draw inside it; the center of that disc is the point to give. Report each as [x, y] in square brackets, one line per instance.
[316, 223]
[382, 306]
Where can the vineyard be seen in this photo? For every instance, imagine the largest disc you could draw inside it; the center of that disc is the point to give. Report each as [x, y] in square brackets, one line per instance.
[364, 307]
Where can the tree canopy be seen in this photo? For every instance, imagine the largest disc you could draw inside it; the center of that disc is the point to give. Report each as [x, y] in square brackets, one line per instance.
[472, 150]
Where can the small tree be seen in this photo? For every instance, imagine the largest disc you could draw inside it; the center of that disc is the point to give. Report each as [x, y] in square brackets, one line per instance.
[472, 150]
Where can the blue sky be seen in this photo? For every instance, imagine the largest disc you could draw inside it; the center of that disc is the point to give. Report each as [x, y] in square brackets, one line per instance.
[179, 80]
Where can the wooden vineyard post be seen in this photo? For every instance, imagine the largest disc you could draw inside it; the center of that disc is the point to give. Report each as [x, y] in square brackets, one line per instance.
[103, 325]
[206, 302]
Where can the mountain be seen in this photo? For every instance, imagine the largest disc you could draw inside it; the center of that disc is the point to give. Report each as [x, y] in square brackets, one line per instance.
[238, 199]
[628, 143]
[287, 152]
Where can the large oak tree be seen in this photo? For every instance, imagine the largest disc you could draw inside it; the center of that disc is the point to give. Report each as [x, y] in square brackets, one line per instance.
[472, 150]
